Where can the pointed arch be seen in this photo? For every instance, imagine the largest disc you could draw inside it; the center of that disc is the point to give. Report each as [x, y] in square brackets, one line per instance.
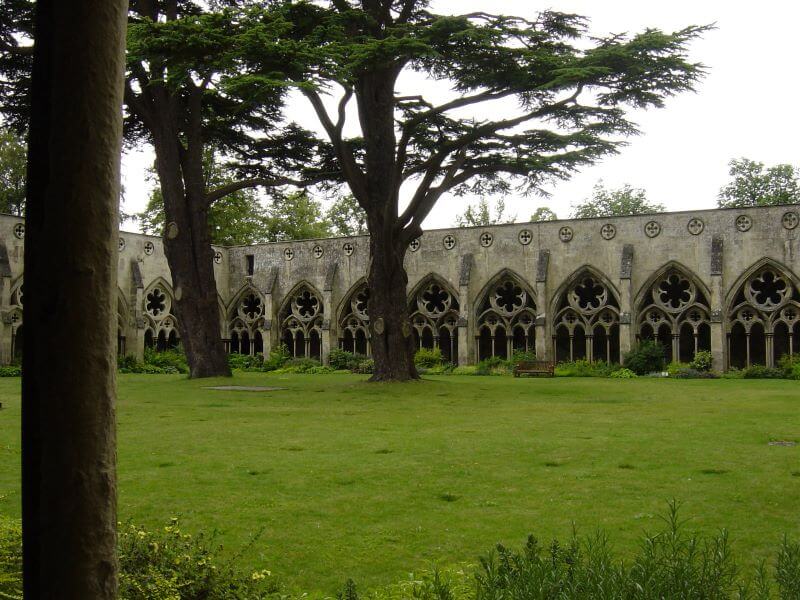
[301, 317]
[505, 316]
[585, 323]
[432, 277]
[673, 307]
[352, 317]
[762, 310]
[433, 309]
[17, 289]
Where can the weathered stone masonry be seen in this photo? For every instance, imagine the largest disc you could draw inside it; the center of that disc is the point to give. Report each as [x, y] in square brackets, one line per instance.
[724, 280]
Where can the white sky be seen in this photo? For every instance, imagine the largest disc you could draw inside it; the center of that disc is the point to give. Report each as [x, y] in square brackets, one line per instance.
[744, 107]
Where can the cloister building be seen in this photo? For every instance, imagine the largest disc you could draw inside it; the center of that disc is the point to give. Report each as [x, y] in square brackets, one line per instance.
[724, 280]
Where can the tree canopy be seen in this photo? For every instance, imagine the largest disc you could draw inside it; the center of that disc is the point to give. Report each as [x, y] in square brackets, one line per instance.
[605, 202]
[754, 184]
[346, 217]
[543, 213]
[13, 159]
[480, 214]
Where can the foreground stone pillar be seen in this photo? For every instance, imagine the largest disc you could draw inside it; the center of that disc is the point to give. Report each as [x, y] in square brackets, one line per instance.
[69, 362]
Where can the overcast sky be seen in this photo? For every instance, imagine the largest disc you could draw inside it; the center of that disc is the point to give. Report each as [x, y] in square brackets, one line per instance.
[746, 106]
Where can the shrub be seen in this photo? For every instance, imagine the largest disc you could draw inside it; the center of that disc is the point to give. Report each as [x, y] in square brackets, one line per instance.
[790, 365]
[646, 358]
[277, 358]
[300, 365]
[169, 360]
[762, 372]
[690, 373]
[464, 370]
[10, 371]
[623, 374]
[521, 356]
[584, 368]
[341, 359]
[245, 362]
[364, 367]
[703, 360]
[675, 367]
[428, 357]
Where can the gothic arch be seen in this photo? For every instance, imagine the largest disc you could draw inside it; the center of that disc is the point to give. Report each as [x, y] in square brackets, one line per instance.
[505, 316]
[585, 322]
[763, 315]
[433, 309]
[353, 319]
[246, 321]
[674, 307]
[301, 318]
[161, 331]
[123, 318]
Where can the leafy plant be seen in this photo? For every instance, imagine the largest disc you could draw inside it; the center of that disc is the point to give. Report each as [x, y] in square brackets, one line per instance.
[703, 361]
[428, 357]
[623, 374]
[277, 358]
[10, 371]
[246, 362]
[762, 372]
[647, 357]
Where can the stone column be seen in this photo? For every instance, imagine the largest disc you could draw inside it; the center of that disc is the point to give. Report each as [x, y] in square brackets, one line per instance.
[68, 390]
[627, 331]
[467, 352]
[719, 347]
[544, 344]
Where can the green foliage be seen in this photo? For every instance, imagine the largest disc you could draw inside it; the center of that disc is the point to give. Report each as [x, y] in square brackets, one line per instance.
[246, 362]
[278, 357]
[167, 362]
[688, 372]
[346, 217]
[10, 371]
[342, 360]
[753, 184]
[647, 357]
[583, 368]
[790, 366]
[10, 559]
[761, 372]
[296, 216]
[428, 357]
[480, 214]
[365, 367]
[519, 356]
[623, 374]
[13, 166]
[465, 370]
[494, 365]
[703, 361]
[605, 202]
[543, 213]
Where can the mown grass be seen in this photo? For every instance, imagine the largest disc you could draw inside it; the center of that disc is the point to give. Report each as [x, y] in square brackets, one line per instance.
[370, 481]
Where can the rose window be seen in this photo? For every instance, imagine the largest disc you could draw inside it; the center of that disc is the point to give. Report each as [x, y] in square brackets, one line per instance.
[589, 294]
[434, 300]
[251, 306]
[509, 297]
[306, 305]
[768, 290]
[674, 292]
[156, 302]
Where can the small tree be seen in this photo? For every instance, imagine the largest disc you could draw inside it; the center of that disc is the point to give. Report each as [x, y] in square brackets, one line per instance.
[347, 217]
[543, 213]
[753, 184]
[480, 214]
[12, 172]
[619, 202]
[566, 91]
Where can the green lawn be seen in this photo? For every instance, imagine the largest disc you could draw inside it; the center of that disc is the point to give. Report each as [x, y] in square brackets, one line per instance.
[369, 481]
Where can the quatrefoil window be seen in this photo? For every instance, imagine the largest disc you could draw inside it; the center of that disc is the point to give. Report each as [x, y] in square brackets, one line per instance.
[565, 234]
[652, 229]
[695, 226]
[486, 239]
[768, 289]
[590, 295]
[525, 237]
[435, 300]
[156, 303]
[608, 231]
[744, 223]
[414, 245]
[674, 292]
[790, 220]
[251, 306]
[449, 242]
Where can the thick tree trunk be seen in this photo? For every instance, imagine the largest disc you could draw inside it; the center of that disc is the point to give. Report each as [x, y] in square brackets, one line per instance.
[69, 360]
[187, 244]
[392, 342]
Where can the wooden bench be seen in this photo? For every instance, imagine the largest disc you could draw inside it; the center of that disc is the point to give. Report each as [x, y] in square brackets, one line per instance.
[535, 367]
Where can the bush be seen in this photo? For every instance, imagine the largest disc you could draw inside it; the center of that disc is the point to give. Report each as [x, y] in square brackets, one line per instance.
[790, 365]
[443, 369]
[428, 357]
[623, 374]
[277, 358]
[521, 356]
[10, 371]
[465, 370]
[647, 357]
[245, 362]
[341, 359]
[703, 361]
[364, 367]
[300, 365]
[762, 372]
[167, 359]
[690, 373]
[583, 368]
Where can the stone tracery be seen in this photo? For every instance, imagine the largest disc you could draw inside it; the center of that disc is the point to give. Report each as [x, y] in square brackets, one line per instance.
[433, 311]
[247, 326]
[677, 313]
[354, 322]
[764, 318]
[587, 321]
[301, 319]
[506, 319]
[161, 332]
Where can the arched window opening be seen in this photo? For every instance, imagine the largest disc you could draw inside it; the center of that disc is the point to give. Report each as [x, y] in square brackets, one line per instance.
[762, 319]
[354, 322]
[301, 320]
[675, 312]
[433, 311]
[247, 323]
[507, 316]
[587, 322]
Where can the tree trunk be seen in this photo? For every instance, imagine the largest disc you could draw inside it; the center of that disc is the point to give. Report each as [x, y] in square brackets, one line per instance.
[187, 244]
[69, 358]
[392, 342]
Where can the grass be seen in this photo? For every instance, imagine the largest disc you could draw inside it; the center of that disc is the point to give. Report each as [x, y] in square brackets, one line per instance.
[372, 481]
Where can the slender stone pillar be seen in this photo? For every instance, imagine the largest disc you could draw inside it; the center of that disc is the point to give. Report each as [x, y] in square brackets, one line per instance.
[627, 331]
[544, 343]
[719, 347]
[69, 362]
[467, 350]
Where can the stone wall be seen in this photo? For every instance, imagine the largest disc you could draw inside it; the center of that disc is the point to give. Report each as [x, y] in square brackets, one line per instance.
[723, 279]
